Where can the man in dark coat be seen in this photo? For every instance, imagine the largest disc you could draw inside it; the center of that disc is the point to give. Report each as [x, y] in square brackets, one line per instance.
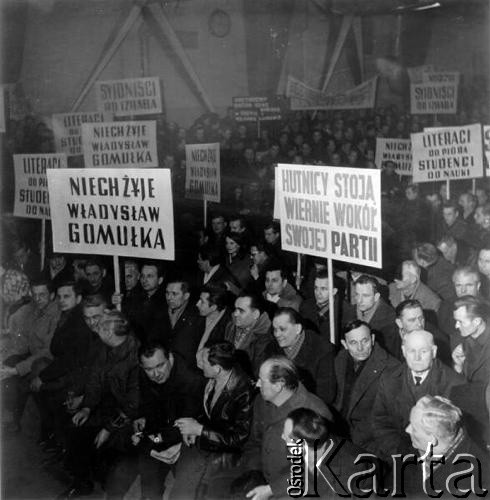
[358, 368]
[400, 388]
[472, 359]
[168, 390]
[371, 308]
[312, 354]
[179, 327]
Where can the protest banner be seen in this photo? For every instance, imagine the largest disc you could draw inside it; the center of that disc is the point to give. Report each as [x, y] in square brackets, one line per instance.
[486, 142]
[332, 212]
[31, 185]
[251, 109]
[129, 97]
[440, 77]
[447, 153]
[202, 175]
[67, 130]
[399, 151]
[120, 144]
[112, 212]
[304, 97]
[416, 73]
[433, 98]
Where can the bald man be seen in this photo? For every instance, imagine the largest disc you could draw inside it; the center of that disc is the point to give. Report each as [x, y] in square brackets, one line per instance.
[401, 387]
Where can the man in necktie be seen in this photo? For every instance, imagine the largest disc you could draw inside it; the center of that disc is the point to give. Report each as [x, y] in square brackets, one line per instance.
[401, 387]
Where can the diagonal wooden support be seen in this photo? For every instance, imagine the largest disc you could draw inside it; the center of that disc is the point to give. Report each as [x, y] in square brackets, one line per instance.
[133, 18]
[339, 45]
[167, 30]
[357, 28]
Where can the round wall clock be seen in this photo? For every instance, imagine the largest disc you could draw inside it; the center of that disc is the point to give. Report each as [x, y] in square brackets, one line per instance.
[219, 23]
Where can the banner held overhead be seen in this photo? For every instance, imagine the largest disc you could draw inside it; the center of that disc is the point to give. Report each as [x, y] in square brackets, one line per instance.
[331, 212]
[202, 176]
[112, 212]
[433, 98]
[399, 151]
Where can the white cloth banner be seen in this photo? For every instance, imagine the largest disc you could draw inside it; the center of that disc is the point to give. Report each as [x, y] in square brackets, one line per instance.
[112, 212]
[202, 174]
[120, 144]
[31, 183]
[129, 97]
[304, 97]
[446, 153]
[332, 212]
[433, 98]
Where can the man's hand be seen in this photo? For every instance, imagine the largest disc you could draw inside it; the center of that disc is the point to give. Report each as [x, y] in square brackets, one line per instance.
[81, 416]
[458, 358]
[262, 492]
[139, 424]
[254, 272]
[189, 426]
[117, 299]
[168, 456]
[101, 437]
[36, 384]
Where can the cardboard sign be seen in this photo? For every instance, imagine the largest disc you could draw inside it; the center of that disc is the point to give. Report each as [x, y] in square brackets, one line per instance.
[31, 184]
[399, 151]
[67, 129]
[447, 153]
[202, 175]
[120, 144]
[251, 109]
[433, 98]
[486, 144]
[332, 212]
[132, 96]
[440, 77]
[416, 73]
[112, 212]
[304, 97]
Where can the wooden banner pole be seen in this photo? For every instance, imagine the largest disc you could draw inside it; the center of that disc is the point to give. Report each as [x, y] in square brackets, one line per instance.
[205, 214]
[43, 242]
[298, 271]
[473, 186]
[448, 193]
[117, 279]
[331, 303]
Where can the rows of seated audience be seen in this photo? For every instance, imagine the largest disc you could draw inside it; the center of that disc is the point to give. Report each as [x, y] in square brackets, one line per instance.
[204, 371]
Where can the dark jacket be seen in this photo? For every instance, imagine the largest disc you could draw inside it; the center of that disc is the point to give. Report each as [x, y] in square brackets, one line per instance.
[70, 348]
[313, 320]
[228, 426]
[382, 325]
[315, 364]
[161, 404]
[186, 334]
[439, 278]
[112, 391]
[363, 392]
[218, 332]
[143, 311]
[265, 450]
[394, 400]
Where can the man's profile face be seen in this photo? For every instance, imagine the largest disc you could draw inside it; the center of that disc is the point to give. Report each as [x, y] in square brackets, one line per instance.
[418, 434]
[466, 284]
[156, 367]
[359, 343]
[466, 324]
[274, 283]
[175, 295]
[418, 351]
[268, 390]
[67, 298]
[411, 319]
[484, 262]
[203, 265]
[95, 275]
[365, 296]
[41, 296]
[92, 315]
[270, 235]
[203, 305]
[244, 316]
[149, 278]
[131, 276]
[285, 331]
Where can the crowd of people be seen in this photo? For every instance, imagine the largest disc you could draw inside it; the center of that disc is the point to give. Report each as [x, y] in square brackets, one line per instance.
[210, 367]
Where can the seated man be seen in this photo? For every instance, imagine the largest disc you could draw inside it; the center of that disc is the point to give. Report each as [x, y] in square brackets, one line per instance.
[42, 316]
[358, 368]
[278, 292]
[312, 354]
[98, 279]
[436, 422]
[110, 403]
[213, 271]
[249, 331]
[169, 390]
[410, 287]
[215, 440]
[371, 308]
[280, 393]
[400, 387]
